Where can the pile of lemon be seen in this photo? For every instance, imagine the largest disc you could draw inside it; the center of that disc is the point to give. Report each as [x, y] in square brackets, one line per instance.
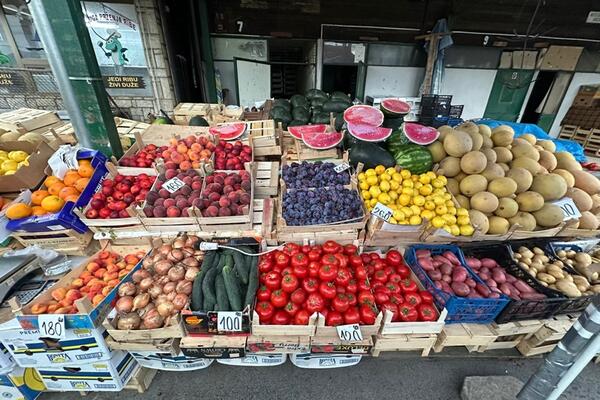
[414, 199]
[11, 161]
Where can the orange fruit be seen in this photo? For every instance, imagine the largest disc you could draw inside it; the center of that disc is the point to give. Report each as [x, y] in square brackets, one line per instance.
[51, 180]
[81, 183]
[38, 196]
[67, 191]
[85, 170]
[71, 177]
[53, 203]
[55, 188]
[37, 210]
[72, 197]
[84, 162]
[18, 210]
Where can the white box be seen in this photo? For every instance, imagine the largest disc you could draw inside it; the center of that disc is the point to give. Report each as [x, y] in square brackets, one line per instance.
[7, 362]
[97, 376]
[21, 384]
[168, 362]
[322, 361]
[255, 360]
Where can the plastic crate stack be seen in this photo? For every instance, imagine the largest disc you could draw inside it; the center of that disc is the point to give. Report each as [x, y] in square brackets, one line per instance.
[437, 110]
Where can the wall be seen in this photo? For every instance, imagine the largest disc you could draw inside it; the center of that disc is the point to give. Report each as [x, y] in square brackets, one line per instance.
[579, 78]
[470, 87]
[393, 81]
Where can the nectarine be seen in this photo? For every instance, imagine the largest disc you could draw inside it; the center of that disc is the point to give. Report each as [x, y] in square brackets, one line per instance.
[59, 294]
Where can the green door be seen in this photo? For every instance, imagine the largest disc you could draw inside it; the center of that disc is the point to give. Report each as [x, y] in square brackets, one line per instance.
[508, 94]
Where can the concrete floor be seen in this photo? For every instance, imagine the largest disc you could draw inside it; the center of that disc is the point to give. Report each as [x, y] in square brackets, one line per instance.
[387, 377]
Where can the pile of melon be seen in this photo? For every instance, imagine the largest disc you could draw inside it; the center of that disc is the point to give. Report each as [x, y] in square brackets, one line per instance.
[506, 181]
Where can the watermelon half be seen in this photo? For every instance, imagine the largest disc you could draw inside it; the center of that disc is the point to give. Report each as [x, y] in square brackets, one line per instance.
[420, 134]
[394, 107]
[363, 115]
[321, 140]
[229, 131]
[369, 133]
[297, 131]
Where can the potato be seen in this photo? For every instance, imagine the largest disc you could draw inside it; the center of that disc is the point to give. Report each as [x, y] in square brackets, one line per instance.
[544, 277]
[561, 254]
[537, 250]
[568, 288]
[583, 258]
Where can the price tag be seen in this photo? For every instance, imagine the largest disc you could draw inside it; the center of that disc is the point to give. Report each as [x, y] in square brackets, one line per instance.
[206, 246]
[229, 321]
[569, 208]
[383, 212]
[173, 185]
[349, 333]
[52, 326]
[341, 167]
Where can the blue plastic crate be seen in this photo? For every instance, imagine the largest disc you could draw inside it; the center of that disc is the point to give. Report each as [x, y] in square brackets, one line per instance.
[460, 309]
[65, 218]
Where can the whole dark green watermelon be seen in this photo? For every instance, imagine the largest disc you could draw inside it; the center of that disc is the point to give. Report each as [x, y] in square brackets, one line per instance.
[335, 106]
[298, 100]
[320, 118]
[340, 96]
[282, 103]
[417, 159]
[370, 154]
[197, 120]
[316, 93]
[396, 140]
[301, 114]
[393, 123]
[317, 102]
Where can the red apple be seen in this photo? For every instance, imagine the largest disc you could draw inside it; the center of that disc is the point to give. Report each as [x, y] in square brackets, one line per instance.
[91, 213]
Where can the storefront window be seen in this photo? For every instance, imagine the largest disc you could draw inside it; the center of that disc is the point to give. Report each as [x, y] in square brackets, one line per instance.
[20, 23]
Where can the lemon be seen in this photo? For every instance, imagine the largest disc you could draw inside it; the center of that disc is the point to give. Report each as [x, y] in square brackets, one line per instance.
[463, 220]
[405, 174]
[418, 185]
[366, 194]
[436, 183]
[3, 154]
[439, 201]
[449, 203]
[17, 155]
[392, 206]
[407, 212]
[452, 210]
[408, 184]
[450, 219]
[462, 211]
[390, 171]
[384, 198]
[364, 185]
[380, 169]
[416, 210]
[447, 196]
[384, 186]
[415, 220]
[431, 174]
[454, 230]
[370, 172]
[362, 176]
[385, 177]
[419, 200]
[424, 179]
[404, 199]
[437, 222]
[429, 205]
[398, 215]
[392, 220]
[9, 165]
[372, 180]
[466, 230]
[443, 179]
[393, 195]
[425, 190]
[441, 210]
[428, 214]
[396, 176]
[23, 164]
[394, 185]
[373, 202]
[375, 191]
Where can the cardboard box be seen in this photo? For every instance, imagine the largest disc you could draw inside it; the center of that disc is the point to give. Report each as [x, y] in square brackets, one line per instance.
[100, 376]
[561, 58]
[21, 384]
[168, 362]
[7, 362]
[26, 177]
[215, 346]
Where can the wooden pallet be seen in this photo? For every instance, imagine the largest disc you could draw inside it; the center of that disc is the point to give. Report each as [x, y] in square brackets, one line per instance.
[26, 119]
[184, 111]
[582, 136]
[141, 380]
[66, 241]
[265, 138]
[126, 128]
[416, 342]
[510, 334]
[567, 132]
[546, 338]
[471, 336]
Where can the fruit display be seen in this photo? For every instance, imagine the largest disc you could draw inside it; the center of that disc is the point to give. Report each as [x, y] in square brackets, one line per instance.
[99, 277]
[414, 199]
[230, 131]
[11, 161]
[394, 108]
[315, 107]
[313, 174]
[554, 274]
[506, 180]
[395, 290]
[329, 279]
[161, 202]
[227, 281]
[190, 152]
[225, 194]
[54, 193]
[302, 207]
[232, 156]
[161, 288]
[115, 195]
[364, 123]
[318, 137]
[144, 158]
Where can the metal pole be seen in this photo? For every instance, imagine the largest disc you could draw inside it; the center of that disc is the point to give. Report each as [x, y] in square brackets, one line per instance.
[63, 32]
[568, 358]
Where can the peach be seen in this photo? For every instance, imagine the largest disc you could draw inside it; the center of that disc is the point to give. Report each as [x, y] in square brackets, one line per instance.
[52, 308]
[182, 148]
[62, 310]
[173, 212]
[113, 283]
[100, 273]
[77, 283]
[115, 267]
[73, 295]
[59, 294]
[97, 299]
[92, 267]
[39, 308]
[224, 212]
[106, 291]
[131, 259]
[173, 142]
[212, 211]
[196, 147]
[159, 212]
[85, 289]
[109, 276]
[88, 279]
[104, 254]
[124, 272]
[65, 302]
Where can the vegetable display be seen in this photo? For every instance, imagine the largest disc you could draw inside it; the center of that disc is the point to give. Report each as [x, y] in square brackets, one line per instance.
[161, 288]
[298, 281]
[582, 263]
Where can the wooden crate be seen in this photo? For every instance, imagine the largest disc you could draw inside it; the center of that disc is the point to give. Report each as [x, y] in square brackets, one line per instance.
[27, 119]
[330, 332]
[278, 344]
[174, 330]
[266, 138]
[547, 337]
[296, 150]
[510, 334]
[184, 111]
[267, 179]
[470, 336]
[170, 346]
[581, 136]
[380, 233]
[567, 132]
[127, 129]
[66, 241]
[141, 380]
[415, 342]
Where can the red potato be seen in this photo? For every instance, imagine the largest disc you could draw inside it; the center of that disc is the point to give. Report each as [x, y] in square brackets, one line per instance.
[446, 278]
[484, 270]
[459, 274]
[446, 287]
[435, 275]
[498, 276]
[494, 295]
[426, 263]
[460, 288]
[473, 295]
[438, 284]
[484, 276]
[423, 253]
[473, 262]
[491, 283]
[488, 262]
[523, 287]
[450, 256]
[446, 269]
[470, 283]
[504, 289]
[483, 290]
[510, 278]
[532, 296]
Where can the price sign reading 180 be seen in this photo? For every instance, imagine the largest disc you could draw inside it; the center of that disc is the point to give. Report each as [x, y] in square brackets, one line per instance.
[173, 185]
[52, 326]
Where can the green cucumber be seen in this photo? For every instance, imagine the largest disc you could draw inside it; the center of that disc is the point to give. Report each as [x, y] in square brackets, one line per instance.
[252, 281]
[222, 299]
[208, 289]
[242, 265]
[207, 264]
[232, 286]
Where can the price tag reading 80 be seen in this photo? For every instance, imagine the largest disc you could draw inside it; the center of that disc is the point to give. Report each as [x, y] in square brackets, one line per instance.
[570, 210]
[173, 185]
[229, 321]
[383, 212]
[349, 333]
[52, 326]
[341, 167]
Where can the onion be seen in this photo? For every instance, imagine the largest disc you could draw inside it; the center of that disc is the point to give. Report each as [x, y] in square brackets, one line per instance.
[188, 251]
[180, 301]
[178, 243]
[157, 257]
[169, 287]
[165, 309]
[165, 249]
[127, 289]
[153, 320]
[163, 280]
[171, 295]
[190, 262]
[142, 312]
[191, 241]
[141, 301]
[176, 273]
[191, 273]
[155, 291]
[129, 321]
[184, 287]
[147, 262]
[162, 267]
[199, 254]
[124, 305]
[145, 284]
[139, 275]
[175, 255]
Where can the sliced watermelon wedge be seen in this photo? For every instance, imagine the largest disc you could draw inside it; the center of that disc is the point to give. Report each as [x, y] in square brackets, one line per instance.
[321, 140]
[363, 115]
[420, 134]
[229, 131]
[297, 131]
[369, 133]
[394, 107]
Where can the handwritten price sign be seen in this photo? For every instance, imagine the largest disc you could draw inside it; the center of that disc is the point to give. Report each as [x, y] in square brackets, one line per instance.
[349, 333]
[383, 212]
[173, 185]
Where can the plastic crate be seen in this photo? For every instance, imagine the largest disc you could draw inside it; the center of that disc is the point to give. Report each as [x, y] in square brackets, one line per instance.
[460, 309]
[456, 111]
[429, 100]
[518, 310]
[66, 218]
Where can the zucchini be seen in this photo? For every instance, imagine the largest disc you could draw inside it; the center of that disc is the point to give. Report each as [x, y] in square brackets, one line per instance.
[222, 300]
[232, 286]
[208, 289]
[252, 281]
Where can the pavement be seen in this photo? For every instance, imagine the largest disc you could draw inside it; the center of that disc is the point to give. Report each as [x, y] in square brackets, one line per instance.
[390, 376]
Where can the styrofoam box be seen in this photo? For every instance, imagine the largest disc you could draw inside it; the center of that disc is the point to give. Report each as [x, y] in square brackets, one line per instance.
[168, 362]
[80, 346]
[105, 376]
[308, 360]
[255, 360]
[21, 384]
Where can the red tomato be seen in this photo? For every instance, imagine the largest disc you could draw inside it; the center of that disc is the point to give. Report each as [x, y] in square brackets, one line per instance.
[393, 257]
[298, 296]
[378, 265]
[365, 257]
[330, 259]
[313, 269]
[301, 271]
[340, 302]
[281, 318]
[331, 247]
[360, 272]
[318, 248]
[350, 249]
[342, 259]
[265, 266]
[263, 293]
[310, 285]
[391, 307]
[413, 299]
[314, 303]
[291, 308]
[352, 301]
[426, 296]
[262, 278]
[407, 313]
[352, 316]
[301, 317]
[314, 255]
[379, 287]
[340, 289]
[287, 271]
[273, 280]
[370, 270]
[365, 297]
[289, 283]
[352, 287]
[403, 271]
[364, 285]
[395, 278]
[265, 311]
[327, 290]
[291, 248]
[408, 286]
[388, 270]
[300, 259]
[282, 259]
[343, 277]
[327, 272]
[334, 318]
[393, 288]
[279, 298]
[380, 276]
[305, 249]
[324, 312]
[381, 298]
[374, 256]
[355, 261]
[427, 312]
[367, 314]
[396, 298]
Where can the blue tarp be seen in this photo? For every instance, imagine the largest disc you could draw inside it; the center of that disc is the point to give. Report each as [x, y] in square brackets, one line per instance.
[521, 129]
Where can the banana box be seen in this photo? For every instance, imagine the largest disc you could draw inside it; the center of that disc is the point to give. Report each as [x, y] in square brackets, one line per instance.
[21, 384]
[107, 376]
[6, 360]
[169, 362]
[79, 346]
